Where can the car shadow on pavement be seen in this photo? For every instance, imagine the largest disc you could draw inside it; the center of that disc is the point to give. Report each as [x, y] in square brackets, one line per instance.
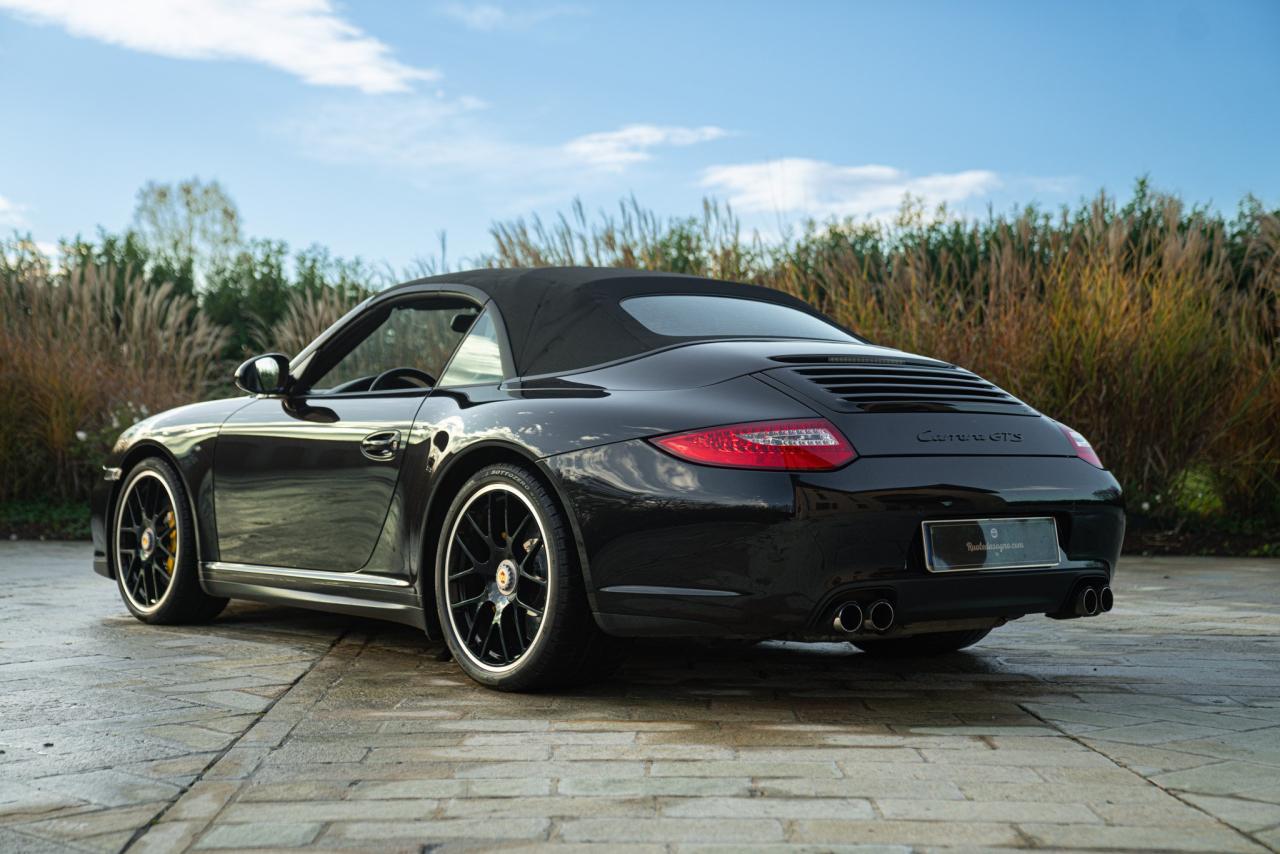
[774, 680]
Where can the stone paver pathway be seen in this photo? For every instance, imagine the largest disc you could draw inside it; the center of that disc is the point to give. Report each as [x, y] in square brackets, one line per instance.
[1156, 727]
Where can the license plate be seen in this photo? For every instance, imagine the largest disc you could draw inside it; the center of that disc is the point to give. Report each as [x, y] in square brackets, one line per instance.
[966, 545]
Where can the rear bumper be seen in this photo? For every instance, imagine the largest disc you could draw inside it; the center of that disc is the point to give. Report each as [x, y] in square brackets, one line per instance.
[673, 549]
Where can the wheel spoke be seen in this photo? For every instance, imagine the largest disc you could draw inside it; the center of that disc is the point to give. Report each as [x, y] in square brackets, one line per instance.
[535, 579]
[134, 505]
[502, 638]
[484, 647]
[465, 602]
[466, 551]
[471, 570]
[142, 582]
[156, 573]
[528, 607]
[531, 553]
[516, 619]
[147, 498]
[476, 527]
[515, 535]
[473, 633]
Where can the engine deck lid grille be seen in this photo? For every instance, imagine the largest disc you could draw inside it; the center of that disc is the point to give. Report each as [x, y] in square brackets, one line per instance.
[891, 384]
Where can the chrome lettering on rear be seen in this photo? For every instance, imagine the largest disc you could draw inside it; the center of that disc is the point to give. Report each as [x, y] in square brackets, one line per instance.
[998, 436]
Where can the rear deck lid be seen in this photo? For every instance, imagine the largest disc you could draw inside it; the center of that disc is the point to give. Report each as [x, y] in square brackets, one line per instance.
[895, 405]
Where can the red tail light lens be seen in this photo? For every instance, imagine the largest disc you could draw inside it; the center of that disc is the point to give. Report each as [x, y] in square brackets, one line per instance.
[806, 445]
[1081, 445]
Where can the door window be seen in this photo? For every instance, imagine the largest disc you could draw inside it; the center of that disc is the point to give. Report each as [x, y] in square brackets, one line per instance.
[479, 357]
[412, 341]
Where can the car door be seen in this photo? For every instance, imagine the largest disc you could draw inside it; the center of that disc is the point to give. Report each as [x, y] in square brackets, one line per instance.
[306, 481]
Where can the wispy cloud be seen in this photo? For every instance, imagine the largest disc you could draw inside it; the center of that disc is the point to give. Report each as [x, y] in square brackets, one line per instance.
[11, 214]
[430, 140]
[1059, 185]
[487, 17]
[306, 38]
[615, 150]
[820, 189]
[411, 134]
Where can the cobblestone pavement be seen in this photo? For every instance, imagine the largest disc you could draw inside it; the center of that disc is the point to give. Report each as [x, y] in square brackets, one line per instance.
[1157, 727]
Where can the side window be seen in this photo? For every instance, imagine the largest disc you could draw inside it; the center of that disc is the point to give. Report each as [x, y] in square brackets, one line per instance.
[414, 337]
[479, 359]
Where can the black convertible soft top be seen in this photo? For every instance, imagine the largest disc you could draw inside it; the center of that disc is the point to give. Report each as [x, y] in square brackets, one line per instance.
[566, 318]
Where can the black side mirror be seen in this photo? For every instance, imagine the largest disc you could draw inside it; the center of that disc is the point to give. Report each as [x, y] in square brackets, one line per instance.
[267, 375]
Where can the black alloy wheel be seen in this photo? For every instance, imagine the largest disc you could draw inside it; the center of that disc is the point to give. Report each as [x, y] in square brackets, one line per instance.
[509, 593]
[153, 538]
[499, 577]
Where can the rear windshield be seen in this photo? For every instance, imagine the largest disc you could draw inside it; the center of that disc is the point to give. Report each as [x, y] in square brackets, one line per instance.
[691, 316]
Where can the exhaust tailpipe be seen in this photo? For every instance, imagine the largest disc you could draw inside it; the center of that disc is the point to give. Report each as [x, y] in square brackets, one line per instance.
[1106, 600]
[848, 618]
[880, 616]
[1087, 602]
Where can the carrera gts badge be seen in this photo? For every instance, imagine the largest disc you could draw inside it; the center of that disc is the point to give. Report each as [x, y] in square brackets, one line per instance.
[1000, 436]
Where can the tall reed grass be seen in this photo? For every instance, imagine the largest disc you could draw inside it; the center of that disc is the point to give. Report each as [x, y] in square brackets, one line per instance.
[306, 315]
[1151, 327]
[79, 361]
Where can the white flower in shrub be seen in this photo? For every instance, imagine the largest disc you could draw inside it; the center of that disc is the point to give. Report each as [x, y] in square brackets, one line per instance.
[81, 435]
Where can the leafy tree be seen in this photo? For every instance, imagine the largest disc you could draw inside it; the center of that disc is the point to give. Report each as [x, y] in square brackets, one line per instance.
[188, 229]
[248, 292]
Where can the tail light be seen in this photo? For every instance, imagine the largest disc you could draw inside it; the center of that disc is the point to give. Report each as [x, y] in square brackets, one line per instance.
[805, 445]
[1081, 446]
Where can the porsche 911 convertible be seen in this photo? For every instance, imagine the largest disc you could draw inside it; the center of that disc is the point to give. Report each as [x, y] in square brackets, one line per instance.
[534, 464]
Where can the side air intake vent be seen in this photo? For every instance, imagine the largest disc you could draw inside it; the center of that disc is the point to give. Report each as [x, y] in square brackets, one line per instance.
[901, 385]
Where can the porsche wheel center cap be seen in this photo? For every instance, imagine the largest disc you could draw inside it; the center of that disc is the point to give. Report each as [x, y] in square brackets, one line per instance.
[505, 577]
[147, 542]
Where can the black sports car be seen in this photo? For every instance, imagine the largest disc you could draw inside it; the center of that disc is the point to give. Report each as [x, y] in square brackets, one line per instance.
[531, 463]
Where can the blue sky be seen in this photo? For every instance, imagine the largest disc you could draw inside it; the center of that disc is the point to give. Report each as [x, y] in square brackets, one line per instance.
[370, 127]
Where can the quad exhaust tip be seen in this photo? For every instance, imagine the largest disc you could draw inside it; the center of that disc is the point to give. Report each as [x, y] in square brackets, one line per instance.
[1093, 600]
[880, 616]
[848, 618]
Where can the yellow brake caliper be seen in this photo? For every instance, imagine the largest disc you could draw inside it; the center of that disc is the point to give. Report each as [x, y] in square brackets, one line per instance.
[173, 542]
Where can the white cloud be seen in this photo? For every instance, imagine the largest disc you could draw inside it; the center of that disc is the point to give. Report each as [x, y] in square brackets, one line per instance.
[430, 140]
[306, 38]
[487, 17]
[820, 189]
[615, 150]
[11, 214]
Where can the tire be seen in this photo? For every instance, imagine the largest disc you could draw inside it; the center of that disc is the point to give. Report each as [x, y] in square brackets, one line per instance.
[153, 540]
[513, 611]
[937, 643]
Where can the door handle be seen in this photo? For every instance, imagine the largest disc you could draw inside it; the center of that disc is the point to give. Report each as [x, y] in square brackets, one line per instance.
[381, 446]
